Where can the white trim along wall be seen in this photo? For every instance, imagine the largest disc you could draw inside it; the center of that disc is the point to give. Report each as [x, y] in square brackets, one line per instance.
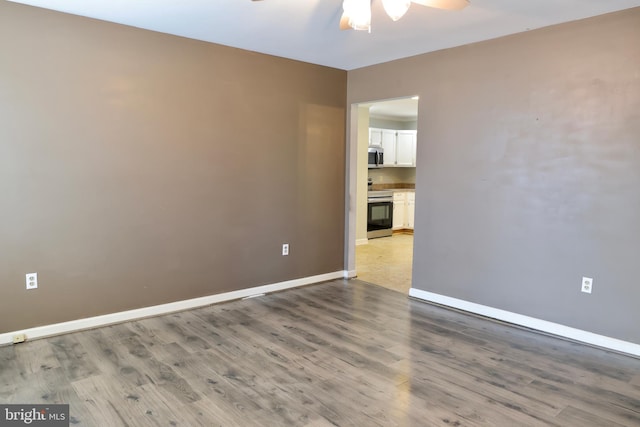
[530, 322]
[156, 310]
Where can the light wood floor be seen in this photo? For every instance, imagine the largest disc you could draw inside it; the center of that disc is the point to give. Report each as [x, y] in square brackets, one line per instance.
[342, 353]
[386, 261]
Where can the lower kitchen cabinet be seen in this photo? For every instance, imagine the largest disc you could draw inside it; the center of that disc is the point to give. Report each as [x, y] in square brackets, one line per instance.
[403, 210]
[411, 208]
[399, 209]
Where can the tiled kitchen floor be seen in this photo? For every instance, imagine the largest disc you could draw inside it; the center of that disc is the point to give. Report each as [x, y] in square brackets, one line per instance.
[386, 261]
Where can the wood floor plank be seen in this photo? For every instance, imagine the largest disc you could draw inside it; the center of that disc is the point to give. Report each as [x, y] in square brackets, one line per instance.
[252, 329]
[107, 401]
[216, 378]
[495, 384]
[206, 413]
[340, 353]
[36, 357]
[72, 356]
[331, 332]
[259, 381]
[377, 337]
[571, 416]
[161, 374]
[12, 374]
[215, 336]
[47, 386]
[170, 329]
[508, 400]
[570, 395]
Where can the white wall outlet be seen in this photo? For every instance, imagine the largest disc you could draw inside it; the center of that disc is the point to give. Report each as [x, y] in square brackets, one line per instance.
[32, 280]
[285, 249]
[587, 284]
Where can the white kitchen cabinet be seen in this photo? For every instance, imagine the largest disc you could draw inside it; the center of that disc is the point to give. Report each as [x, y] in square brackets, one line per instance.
[399, 208]
[375, 137]
[403, 210]
[389, 147]
[385, 138]
[399, 146]
[411, 209]
[406, 148]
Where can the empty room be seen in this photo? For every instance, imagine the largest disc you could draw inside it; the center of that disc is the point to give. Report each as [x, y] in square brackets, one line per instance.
[184, 186]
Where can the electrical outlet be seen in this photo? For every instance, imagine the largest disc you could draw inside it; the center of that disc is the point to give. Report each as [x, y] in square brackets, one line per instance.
[17, 339]
[285, 249]
[32, 280]
[587, 285]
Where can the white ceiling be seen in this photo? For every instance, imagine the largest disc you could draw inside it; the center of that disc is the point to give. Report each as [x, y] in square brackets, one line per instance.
[402, 109]
[307, 30]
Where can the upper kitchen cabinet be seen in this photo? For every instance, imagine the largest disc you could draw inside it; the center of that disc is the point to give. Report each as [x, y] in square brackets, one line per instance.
[386, 139]
[392, 126]
[375, 137]
[406, 148]
[399, 146]
[389, 144]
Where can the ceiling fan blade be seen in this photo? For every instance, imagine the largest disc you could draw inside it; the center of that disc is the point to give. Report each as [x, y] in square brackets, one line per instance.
[344, 22]
[444, 4]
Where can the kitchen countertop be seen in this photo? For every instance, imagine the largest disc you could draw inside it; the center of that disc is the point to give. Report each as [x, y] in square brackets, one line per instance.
[391, 187]
[397, 190]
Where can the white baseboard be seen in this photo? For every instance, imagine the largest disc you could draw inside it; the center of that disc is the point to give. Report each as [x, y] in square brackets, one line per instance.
[362, 242]
[350, 274]
[530, 322]
[139, 313]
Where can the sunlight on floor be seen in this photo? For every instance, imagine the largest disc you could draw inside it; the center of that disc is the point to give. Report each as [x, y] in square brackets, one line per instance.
[386, 262]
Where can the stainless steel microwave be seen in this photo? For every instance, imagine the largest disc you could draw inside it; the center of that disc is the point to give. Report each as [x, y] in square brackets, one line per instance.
[376, 157]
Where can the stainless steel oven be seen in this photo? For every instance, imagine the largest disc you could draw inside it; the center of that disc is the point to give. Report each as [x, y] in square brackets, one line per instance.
[379, 214]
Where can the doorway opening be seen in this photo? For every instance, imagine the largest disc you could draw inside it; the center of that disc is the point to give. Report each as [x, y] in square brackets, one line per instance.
[386, 192]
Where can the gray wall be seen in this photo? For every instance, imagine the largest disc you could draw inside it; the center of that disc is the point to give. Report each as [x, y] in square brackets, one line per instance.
[529, 177]
[138, 168]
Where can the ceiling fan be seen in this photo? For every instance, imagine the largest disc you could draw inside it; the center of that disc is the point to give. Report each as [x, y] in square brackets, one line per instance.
[357, 13]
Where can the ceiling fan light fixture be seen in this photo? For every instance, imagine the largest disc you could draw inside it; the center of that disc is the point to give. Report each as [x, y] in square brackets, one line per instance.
[396, 8]
[359, 14]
